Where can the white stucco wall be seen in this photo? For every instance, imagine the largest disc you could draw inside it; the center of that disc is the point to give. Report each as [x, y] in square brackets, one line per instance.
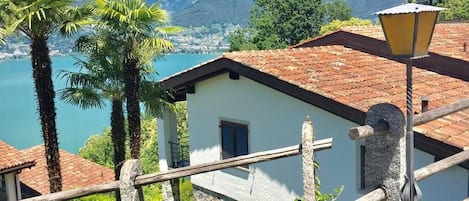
[274, 120]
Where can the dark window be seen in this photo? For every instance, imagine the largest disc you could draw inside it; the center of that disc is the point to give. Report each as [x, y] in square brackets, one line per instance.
[362, 166]
[2, 184]
[234, 139]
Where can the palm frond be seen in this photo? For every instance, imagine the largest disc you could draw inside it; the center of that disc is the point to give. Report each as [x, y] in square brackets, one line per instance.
[2, 36]
[76, 79]
[154, 97]
[83, 97]
[162, 45]
[168, 29]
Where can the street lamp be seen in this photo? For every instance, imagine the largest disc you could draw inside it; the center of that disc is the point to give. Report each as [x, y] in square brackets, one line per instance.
[408, 30]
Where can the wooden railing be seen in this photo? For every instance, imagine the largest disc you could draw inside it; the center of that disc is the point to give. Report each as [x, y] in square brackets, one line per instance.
[422, 173]
[131, 180]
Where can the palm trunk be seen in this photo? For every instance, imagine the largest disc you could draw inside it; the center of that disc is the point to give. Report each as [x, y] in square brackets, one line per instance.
[132, 82]
[42, 74]
[118, 135]
[118, 138]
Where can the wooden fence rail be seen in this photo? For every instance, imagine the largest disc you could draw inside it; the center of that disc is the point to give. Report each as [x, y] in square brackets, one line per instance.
[186, 171]
[365, 131]
[422, 173]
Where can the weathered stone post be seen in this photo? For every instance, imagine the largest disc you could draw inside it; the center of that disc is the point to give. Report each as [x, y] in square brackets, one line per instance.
[130, 170]
[385, 152]
[308, 160]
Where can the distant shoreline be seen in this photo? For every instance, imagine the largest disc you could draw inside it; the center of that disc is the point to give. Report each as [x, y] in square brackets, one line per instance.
[14, 56]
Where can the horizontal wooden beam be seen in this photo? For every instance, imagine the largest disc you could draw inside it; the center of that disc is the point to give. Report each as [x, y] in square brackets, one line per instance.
[227, 163]
[441, 165]
[78, 192]
[365, 131]
[422, 173]
[185, 171]
[440, 112]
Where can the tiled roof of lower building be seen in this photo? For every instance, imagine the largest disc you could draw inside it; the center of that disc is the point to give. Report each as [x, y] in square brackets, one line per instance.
[12, 159]
[76, 171]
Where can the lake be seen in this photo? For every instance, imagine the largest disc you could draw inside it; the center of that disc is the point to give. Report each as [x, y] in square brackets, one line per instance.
[19, 124]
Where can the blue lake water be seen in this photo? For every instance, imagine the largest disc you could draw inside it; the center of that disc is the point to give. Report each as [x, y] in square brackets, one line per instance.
[19, 124]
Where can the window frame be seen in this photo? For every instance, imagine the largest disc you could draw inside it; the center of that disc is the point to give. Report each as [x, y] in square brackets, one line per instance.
[234, 124]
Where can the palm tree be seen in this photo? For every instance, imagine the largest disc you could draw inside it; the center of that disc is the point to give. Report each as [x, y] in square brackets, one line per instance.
[137, 28]
[37, 20]
[101, 78]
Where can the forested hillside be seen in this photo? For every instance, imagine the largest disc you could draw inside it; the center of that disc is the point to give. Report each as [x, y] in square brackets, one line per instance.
[207, 12]
[173, 5]
[366, 8]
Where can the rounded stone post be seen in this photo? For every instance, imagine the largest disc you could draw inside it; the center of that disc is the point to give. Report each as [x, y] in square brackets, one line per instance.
[308, 160]
[129, 171]
[385, 154]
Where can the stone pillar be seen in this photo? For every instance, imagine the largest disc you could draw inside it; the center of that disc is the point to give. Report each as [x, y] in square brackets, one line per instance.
[307, 153]
[385, 153]
[129, 171]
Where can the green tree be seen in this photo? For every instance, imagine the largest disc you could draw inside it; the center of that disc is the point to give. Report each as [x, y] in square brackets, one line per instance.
[137, 27]
[37, 20]
[241, 40]
[98, 149]
[337, 24]
[279, 23]
[457, 10]
[336, 10]
[101, 77]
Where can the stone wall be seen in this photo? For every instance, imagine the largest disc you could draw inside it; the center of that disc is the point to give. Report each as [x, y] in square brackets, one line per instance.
[202, 194]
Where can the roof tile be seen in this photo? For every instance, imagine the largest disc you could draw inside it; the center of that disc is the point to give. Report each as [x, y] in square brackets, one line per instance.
[12, 159]
[76, 171]
[361, 80]
[448, 38]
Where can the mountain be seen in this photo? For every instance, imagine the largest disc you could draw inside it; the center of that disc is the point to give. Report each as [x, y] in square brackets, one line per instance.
[207, 12]
[173, 5]
[365, 9]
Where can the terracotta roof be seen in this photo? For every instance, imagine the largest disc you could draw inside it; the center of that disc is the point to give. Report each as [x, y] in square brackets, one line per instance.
[345, 73]
[448, 38]
[12, 159]
[360, 80]
[76, 171]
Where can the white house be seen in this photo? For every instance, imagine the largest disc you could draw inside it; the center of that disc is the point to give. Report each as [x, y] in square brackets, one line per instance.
[245, 102]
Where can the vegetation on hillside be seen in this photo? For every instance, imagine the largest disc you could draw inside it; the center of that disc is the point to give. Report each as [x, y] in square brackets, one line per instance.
[456, 10]
[337, 24]
[278, 24]
[98, 149]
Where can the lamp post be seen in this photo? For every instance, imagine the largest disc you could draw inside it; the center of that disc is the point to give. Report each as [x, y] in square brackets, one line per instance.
[408, 30]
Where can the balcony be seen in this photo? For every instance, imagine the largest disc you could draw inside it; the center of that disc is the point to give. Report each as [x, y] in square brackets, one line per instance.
[180, 152]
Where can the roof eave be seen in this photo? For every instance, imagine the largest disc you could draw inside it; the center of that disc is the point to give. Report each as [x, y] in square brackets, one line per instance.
[18, 167]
